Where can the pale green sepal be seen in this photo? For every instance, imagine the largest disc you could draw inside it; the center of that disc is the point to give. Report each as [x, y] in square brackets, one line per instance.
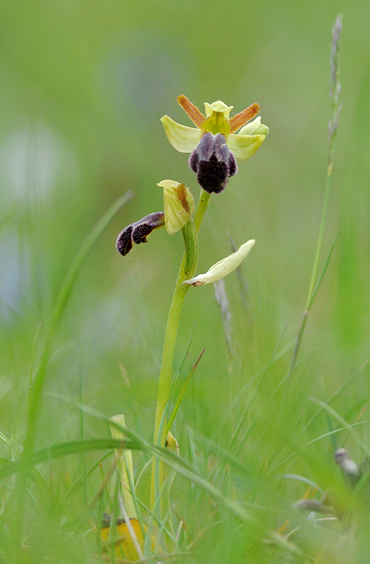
[244, 146]
[184, 139]
[251, 127]
[262, 130]
[223, 267]
[218, 106]
[255, 127]
[178, 205]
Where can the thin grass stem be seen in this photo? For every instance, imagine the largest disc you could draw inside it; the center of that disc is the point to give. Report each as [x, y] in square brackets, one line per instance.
[333, 125]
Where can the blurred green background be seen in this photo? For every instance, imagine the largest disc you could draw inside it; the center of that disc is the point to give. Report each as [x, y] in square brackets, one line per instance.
[83, 87]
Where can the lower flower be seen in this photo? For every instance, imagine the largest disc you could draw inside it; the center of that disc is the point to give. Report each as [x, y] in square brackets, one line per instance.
[138, 232]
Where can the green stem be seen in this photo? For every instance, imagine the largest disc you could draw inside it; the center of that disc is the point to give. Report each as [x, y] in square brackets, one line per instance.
[204, 199]
[187, 269]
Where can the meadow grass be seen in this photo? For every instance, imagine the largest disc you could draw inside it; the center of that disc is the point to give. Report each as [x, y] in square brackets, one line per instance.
[258, 408]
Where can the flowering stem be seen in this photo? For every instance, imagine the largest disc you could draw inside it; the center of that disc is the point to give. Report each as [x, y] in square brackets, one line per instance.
[204, 199]
[187, 269]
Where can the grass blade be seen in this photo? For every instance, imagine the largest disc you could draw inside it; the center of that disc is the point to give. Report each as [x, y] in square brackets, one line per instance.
[39, 378]
[64, 449]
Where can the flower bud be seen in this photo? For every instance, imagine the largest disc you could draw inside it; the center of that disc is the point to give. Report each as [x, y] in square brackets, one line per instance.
[178, 205]
[348, 466]
[223, 267]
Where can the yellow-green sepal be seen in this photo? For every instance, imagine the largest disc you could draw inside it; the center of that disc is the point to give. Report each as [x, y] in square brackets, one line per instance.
[244, 146]
[255, 127]
[184, 139]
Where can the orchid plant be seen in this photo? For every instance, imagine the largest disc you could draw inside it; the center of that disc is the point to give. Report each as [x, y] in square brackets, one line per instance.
[215, 145]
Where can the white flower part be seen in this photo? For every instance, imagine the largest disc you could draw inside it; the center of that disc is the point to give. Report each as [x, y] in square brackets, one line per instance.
[223, 267]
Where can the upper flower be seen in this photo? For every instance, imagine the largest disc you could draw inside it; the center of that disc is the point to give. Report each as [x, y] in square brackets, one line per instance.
[213, 143]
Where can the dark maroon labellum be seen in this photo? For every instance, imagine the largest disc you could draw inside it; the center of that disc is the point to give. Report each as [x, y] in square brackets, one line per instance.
[124, 241]
[138, 232]
[144, 227]
[213, 162]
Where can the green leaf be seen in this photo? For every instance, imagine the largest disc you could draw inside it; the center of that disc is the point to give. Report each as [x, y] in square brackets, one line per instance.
[64, 449]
